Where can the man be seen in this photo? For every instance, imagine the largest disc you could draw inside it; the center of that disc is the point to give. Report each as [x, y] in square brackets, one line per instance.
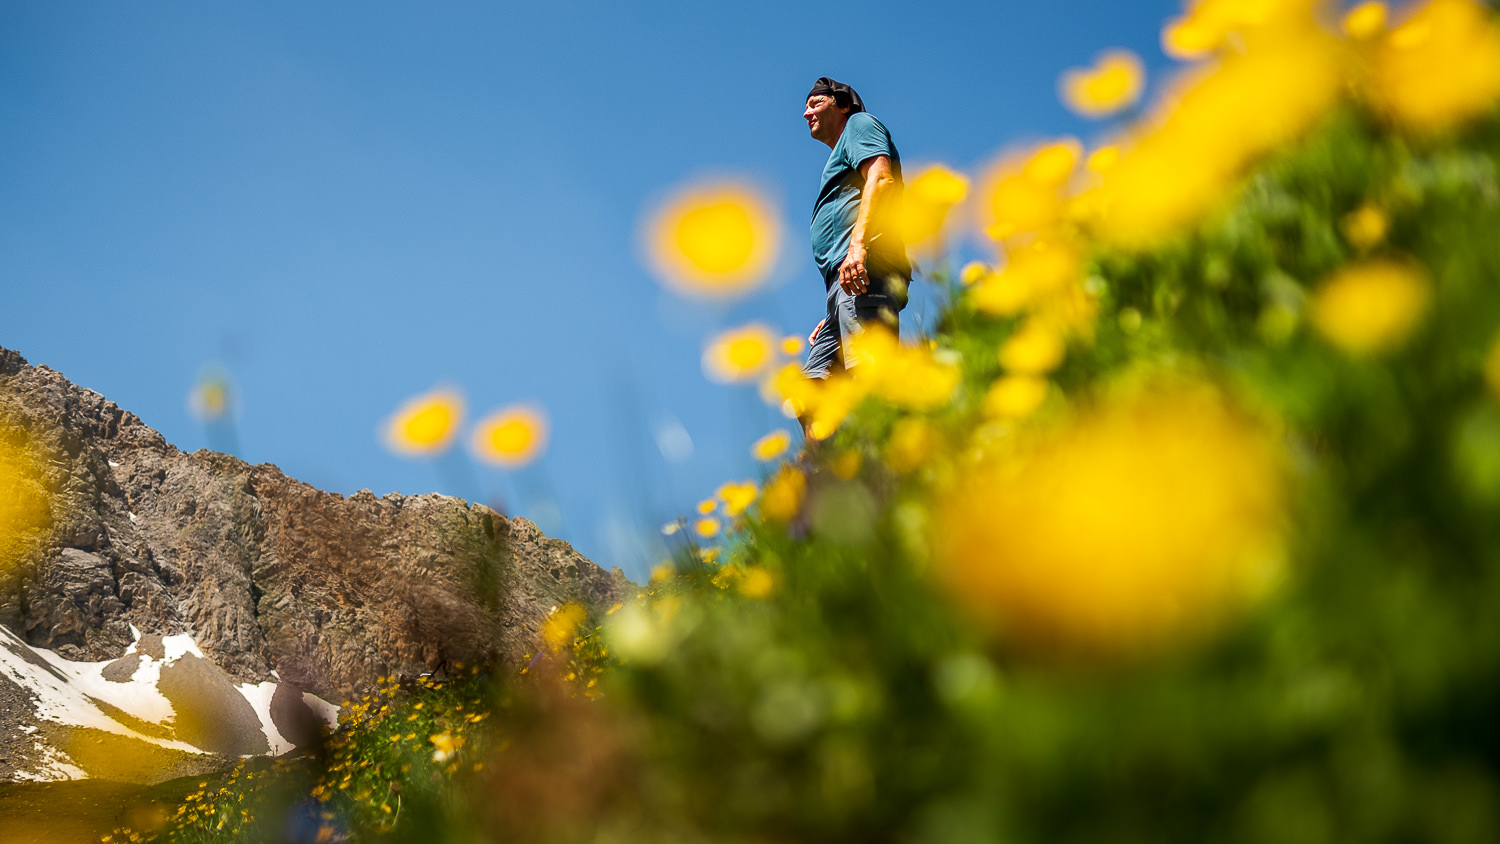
[854, 239]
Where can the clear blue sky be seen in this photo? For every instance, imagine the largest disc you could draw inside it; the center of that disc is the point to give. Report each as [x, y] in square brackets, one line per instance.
[346, 204]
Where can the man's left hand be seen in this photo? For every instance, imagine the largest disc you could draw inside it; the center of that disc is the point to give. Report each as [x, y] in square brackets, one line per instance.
[853, 276]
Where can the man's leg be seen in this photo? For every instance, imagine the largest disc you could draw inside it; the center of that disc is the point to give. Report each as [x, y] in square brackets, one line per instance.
[856, 313]
[823, 353]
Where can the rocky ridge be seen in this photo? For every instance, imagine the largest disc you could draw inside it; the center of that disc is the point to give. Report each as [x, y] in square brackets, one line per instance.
[264, 572]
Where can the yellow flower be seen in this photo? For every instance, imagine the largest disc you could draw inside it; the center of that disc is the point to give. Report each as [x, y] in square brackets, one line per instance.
[739, 354]
[1210, 23]
[1371, 307]
[707, 528]
[846, 463]
[972, 273]
[912, 443]
[928, 198]
[559, 628]
[1365, 227]
[791, 345]
[1042, 270]
[511, 437]
[757, 583]
[210, 399]
[25, 504]
[706, 506]
[1103, 158]
[443, 745]
[782, 498]
[1142, 523]
[1035, 349]
[1025, 194]
[1015, 396]
[425, 424]
[771, 446]
[905, 376]
[1113, 83]
[1441, 67]
[715, 240]
[737, 497]
[1366, 20]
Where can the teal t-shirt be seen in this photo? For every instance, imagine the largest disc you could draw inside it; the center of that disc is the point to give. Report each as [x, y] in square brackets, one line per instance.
[838, 204]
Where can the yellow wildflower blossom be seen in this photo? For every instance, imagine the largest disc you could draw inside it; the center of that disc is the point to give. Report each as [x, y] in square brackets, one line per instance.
[714, 240]
[782, 497]
[737, 497]
[740, 354]
[1139, 524]
[913, 441]
[560, 627]
[706, 506]
[1441, 67]
[1365, 227]
[425, 424]
[792, 345]
[1015, 396]
[757, 583]
[1371, 307]
[929, 197]
[1114, 82]
[511, 436]
[846, 463]
[771, 446]
[1035, 349]
[707, 528]
[1366, 20]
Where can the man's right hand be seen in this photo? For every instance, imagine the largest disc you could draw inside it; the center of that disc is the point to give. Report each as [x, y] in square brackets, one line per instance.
[813, 337]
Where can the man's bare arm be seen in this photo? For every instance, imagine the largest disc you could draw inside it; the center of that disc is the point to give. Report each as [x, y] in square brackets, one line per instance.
[854, 276]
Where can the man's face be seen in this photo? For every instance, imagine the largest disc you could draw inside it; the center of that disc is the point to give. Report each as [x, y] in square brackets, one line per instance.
[825, 120]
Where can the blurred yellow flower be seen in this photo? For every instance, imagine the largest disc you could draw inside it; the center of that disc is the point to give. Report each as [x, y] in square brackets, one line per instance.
[757, 583]
[25, 504]
[972, 273]
[1366, 20]
[1032, 274]
[737, 497]
[561, 626]
[716, 239]
[845, 464]
[1015, 396]
[1441, 67]
[425, 424]
[771, 446]
[913, 441]
[1103, 158]
[706, 528]
[740, 354]
[782, 498]
[792, 345]
[1365, 227]
[511, 436]
[1114, 82]
[1371, 307]
[1214, 123]
[905, 376]
[1035, 349]
[210, 399]
[707, 505]
[1025, 193]
[928, 198]
[1139, 524]
[1210, 23]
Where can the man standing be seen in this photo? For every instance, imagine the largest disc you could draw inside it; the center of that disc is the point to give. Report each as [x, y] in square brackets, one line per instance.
[854, 238]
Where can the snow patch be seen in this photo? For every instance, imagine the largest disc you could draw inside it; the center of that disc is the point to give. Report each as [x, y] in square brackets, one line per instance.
[259, 696]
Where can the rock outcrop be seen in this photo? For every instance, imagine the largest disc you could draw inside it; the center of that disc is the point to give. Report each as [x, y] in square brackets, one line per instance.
[111, 526]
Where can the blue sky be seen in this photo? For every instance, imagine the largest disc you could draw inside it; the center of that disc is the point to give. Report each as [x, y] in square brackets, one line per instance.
[346, 204]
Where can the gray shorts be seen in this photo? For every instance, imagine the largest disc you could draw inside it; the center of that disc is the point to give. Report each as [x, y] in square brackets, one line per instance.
[847, 316]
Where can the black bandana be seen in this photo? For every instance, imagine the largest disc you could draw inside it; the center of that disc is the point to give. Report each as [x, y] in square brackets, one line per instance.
[842, 94]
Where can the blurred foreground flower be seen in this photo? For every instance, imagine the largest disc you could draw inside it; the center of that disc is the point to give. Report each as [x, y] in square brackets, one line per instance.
[211, 398]
[1113, 83]
[1026, 192]
[25, 504]
[782, 498]
[1371, 307]
[925, 205]
[1440, 67]
[737, 497]
[739, 354]
[771, 446]
[714, 240]
[510, 437]
[1211, 25]
[1135, 525]
[425, 424]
